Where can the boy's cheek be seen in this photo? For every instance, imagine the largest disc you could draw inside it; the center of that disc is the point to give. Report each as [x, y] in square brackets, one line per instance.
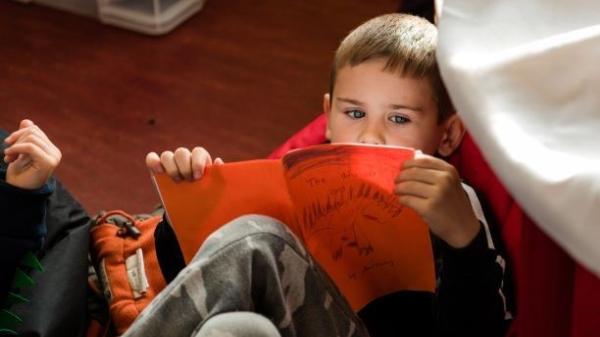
[341, 134]
[405, 141]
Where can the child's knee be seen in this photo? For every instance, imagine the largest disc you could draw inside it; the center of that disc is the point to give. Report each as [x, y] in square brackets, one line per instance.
[256, 223]
[252, 231]
[238, 324]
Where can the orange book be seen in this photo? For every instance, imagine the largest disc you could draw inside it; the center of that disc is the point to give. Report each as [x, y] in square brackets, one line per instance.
[339, 201]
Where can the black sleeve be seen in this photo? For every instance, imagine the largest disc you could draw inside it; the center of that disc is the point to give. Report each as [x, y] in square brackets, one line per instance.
[57, 304]
[22, 224]
[168, 251]
[474, 296]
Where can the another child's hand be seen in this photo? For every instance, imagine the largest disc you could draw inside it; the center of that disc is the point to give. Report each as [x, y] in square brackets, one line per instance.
[31, 157]
[433, 189]
[182, 164]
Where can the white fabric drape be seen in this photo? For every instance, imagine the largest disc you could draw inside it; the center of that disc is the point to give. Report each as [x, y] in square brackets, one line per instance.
[525, 78]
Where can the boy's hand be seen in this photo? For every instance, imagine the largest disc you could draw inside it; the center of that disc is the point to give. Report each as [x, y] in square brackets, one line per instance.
[182, 164]
[31, 157]
[433, 189]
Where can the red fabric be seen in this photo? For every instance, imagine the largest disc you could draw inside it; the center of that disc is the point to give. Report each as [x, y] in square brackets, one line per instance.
[312, 134]
[556, 297]
[586, 304]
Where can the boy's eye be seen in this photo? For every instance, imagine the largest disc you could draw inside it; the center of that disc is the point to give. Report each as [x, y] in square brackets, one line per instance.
[355, 114]
[399, 119]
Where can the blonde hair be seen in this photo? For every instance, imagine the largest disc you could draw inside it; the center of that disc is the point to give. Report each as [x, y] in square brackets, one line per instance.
[407, 42]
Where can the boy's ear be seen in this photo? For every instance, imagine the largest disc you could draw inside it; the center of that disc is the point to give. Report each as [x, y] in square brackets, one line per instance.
[327, 111]
[454, 130]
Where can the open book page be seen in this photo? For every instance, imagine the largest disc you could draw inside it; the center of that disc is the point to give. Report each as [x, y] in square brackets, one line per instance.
[352, 222]
[196, 209]
[338, 199]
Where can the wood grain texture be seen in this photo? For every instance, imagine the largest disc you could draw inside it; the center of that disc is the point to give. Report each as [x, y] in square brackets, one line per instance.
[238, 78]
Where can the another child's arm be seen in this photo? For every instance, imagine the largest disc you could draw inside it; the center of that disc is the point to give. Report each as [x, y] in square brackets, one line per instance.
[30, 158]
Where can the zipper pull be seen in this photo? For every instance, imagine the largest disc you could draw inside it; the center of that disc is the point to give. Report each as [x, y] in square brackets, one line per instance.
[129, 229]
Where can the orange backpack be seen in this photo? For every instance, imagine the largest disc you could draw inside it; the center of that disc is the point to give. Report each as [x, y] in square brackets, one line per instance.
[124, 257]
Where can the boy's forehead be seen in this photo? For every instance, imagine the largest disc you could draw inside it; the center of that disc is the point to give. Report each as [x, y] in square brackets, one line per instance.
[374, 67]
[374, 76]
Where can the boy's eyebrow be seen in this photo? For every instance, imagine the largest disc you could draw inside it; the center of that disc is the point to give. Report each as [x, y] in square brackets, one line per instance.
[350, 100]
[393, 106]
[404, 106]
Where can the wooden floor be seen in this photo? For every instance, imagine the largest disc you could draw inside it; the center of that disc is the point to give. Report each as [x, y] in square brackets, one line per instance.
[237, 78]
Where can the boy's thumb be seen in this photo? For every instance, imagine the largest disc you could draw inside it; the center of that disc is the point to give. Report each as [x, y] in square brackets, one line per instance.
[25, 123]
[218, 161]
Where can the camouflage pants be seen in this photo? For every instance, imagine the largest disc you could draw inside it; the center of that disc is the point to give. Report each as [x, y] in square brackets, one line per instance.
[251, 265]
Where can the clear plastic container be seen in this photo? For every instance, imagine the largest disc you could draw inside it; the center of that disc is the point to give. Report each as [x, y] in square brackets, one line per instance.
[152, 17]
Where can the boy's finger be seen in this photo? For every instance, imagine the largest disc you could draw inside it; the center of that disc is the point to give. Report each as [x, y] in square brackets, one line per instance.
[426, 161]
[200, 159]
[183, 160]
[39, 132]
[9, 158]
[153, 163]
[414, 188]
[424, 175]
[22, 161]
[13, 137]
[168, 162]
[26, 123]
[20, 134]
[36, 139]
[218, 161]
[33, 151]
[415, 203]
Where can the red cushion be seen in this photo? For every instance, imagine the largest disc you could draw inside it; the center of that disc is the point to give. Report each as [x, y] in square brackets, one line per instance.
[312, 134]
[555, 296]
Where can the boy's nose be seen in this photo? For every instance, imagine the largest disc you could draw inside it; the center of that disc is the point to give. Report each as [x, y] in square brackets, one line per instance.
[371, 141]
[372, 136]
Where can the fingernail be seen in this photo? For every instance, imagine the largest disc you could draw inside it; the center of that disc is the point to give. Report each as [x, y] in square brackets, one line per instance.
[197, 174]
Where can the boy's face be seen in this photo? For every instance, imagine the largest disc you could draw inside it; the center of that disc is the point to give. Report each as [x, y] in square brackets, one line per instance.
[373, 106]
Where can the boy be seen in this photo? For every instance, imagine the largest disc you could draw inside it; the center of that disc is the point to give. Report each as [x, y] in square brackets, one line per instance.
[385, 89]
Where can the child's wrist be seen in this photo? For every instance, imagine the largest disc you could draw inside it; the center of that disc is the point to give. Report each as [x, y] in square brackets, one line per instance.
[8, 185]
[464, 234]
[29, 185]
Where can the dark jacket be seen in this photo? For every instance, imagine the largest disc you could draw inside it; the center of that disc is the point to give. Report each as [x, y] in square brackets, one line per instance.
[23, 226]
[51, 223]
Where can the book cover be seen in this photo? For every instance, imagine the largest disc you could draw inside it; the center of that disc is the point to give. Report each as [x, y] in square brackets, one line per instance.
[337, 199]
